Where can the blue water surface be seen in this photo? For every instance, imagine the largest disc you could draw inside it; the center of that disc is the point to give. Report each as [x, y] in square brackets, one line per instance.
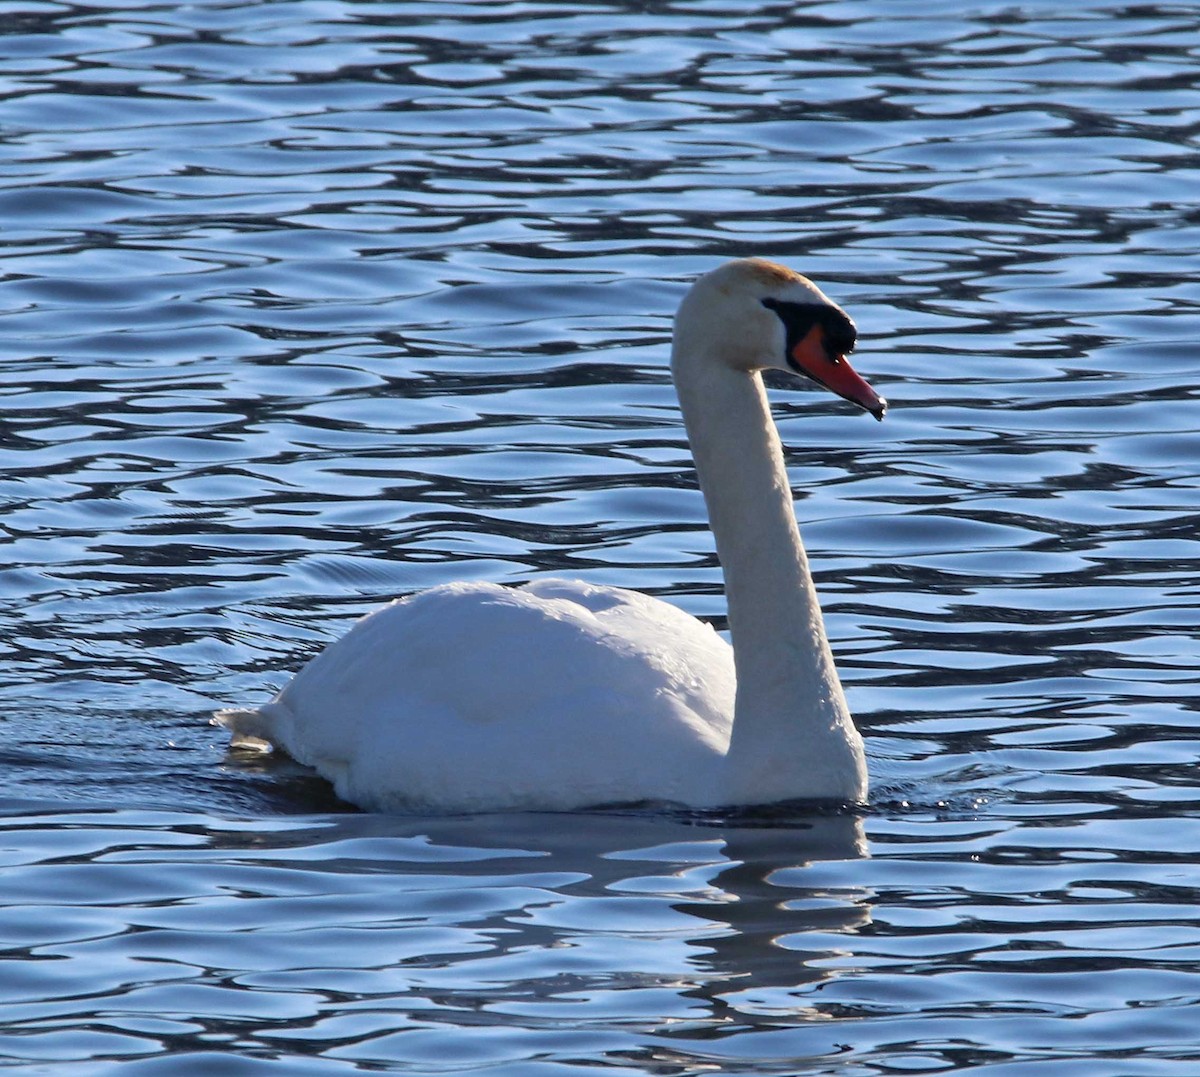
[306, 305]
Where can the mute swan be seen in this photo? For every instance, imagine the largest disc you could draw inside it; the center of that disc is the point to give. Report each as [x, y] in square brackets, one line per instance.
[560, 694]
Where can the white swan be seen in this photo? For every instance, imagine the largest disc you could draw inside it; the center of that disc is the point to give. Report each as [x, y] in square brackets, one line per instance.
[559, 694]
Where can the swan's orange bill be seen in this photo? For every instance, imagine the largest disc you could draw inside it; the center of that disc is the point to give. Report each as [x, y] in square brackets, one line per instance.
[835, 373]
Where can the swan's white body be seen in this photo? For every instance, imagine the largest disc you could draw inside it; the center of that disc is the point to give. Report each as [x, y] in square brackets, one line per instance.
[559, 695]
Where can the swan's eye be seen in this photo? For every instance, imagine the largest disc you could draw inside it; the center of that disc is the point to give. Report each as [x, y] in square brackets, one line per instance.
[840, 333]
[837, 330]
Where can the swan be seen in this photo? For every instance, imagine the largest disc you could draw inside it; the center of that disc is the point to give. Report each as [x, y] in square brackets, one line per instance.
[561, 695]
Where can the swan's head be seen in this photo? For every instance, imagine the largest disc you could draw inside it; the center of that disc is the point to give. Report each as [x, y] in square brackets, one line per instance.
[752, 315]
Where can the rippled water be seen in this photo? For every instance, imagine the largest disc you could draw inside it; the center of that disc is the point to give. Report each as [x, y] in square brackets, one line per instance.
[306, 305]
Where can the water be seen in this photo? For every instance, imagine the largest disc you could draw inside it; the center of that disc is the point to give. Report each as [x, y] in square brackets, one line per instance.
[306, 305]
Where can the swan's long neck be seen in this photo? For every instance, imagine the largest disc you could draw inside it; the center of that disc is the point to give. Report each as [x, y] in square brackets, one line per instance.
[790, 707]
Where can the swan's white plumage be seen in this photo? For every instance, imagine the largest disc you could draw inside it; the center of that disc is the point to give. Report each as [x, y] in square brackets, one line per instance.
[559, 694]
[562, 694]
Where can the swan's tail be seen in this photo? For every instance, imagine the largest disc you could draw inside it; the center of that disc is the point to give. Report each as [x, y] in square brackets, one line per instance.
[248, 728]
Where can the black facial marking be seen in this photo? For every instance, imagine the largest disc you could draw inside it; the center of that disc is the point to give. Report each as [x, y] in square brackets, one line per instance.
[799, 318]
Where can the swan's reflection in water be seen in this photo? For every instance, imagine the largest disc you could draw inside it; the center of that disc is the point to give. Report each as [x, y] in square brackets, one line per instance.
[681, 926]
[382, 939]
[759, 958]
